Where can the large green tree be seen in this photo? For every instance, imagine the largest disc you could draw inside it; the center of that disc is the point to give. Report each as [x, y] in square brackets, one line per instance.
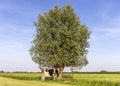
[60, 40]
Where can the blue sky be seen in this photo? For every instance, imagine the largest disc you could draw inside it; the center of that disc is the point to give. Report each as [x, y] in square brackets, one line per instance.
[102, 17]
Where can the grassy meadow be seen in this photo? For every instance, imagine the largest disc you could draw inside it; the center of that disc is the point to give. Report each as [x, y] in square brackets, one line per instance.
[78, 79]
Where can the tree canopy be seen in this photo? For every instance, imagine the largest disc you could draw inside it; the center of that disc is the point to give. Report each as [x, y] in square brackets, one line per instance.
[60, 40]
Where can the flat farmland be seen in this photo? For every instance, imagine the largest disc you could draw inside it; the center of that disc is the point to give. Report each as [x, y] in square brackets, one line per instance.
[77, 79]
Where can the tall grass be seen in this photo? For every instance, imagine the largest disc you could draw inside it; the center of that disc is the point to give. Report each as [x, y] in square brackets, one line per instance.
[14, 82]
[68, 79]
[22, 76]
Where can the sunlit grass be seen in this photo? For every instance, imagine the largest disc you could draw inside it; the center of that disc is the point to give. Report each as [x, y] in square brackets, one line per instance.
[98, 77]
[78, 79]
[22, 76]
[14, 82]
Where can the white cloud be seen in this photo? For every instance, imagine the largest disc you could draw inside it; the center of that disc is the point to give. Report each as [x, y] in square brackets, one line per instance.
[27, 10]
[106, 22]
[109, 22]
[109, 31]
[14, 56]
[12, 27]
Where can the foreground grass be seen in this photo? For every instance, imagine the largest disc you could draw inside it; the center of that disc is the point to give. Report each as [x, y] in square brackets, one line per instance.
[33, 79]
[22, 76]
[98, 77]
[14, 82]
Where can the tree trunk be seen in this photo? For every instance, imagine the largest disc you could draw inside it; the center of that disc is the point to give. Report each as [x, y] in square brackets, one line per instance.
[61, 68]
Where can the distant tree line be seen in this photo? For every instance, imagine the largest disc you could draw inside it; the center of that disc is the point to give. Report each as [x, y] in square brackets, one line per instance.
[1, 71]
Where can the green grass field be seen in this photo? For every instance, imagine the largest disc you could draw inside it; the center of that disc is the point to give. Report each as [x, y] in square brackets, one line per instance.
[78, 79]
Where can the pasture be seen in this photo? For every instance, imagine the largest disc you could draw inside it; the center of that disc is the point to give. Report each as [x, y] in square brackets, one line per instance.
[78, 79]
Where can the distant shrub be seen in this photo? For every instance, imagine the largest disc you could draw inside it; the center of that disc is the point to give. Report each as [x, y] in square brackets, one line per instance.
[103, 71]
[1, 71]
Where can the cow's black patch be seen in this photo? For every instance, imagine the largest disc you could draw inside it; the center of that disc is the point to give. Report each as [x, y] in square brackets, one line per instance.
[56, 72]
[51, 72]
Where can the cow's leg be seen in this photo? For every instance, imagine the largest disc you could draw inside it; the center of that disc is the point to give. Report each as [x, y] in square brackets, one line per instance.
[53, 77]
[43, 77]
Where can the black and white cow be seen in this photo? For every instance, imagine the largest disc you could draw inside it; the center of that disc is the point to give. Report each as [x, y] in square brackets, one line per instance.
[49, 73]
